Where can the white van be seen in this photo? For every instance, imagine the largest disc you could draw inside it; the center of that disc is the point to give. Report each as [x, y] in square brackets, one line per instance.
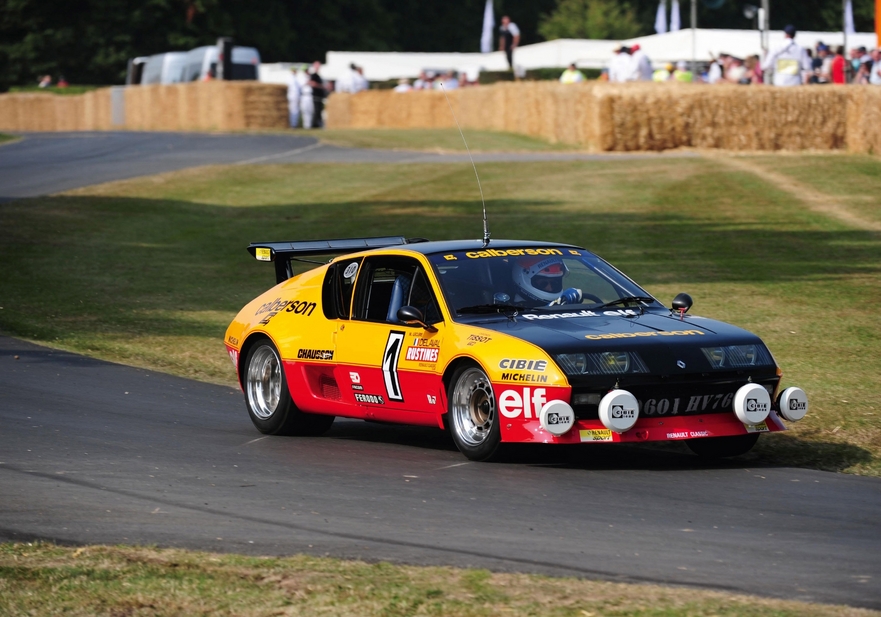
[201, 63]
[167, 68]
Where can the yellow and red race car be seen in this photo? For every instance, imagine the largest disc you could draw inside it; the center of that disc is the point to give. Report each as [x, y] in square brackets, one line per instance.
[497, 342]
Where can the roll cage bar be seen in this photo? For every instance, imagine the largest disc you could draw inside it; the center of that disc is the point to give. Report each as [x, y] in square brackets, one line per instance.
[282, 253]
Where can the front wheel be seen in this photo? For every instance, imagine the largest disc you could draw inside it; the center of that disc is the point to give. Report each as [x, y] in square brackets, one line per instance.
[722, 447]
[269, 401]
[473, 417]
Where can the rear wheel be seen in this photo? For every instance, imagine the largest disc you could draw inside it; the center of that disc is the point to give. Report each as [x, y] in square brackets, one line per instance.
[722, 447]
[269, 401]
[472, 414]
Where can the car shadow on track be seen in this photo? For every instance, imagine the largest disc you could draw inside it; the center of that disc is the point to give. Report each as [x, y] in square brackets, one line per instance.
[773, 451]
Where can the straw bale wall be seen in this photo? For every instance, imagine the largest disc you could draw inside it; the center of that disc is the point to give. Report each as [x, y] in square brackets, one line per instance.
[50, 112]
[597, 116]
[197, 106]
[201, 106]
[636, 117]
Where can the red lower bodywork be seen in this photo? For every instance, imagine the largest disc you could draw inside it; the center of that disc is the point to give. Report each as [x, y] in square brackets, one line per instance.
[328, 388]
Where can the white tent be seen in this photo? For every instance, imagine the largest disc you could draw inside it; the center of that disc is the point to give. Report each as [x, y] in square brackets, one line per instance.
[586, 53]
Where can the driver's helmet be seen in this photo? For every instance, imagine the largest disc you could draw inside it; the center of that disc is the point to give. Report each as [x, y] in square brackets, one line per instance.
[540, 278]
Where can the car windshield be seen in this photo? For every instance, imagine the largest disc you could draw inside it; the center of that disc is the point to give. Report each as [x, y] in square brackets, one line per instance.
[532, 278]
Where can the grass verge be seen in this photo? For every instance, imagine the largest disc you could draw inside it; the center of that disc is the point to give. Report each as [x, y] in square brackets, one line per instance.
[438, 140]
[44, 579]
[150, 271]
[6, 138]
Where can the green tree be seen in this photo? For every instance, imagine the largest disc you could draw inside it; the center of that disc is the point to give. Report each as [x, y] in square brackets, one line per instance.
[590, 19]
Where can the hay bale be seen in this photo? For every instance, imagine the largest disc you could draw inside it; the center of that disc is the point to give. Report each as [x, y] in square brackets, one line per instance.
[863, 134]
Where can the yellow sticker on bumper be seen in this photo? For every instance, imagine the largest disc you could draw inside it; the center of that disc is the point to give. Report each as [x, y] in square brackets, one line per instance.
[761, 427]
[595, 434]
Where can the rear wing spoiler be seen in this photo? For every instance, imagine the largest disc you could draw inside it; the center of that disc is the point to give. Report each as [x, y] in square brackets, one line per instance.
[283, 252]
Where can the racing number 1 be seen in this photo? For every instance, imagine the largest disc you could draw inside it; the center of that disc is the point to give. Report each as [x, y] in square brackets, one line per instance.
[390, 365]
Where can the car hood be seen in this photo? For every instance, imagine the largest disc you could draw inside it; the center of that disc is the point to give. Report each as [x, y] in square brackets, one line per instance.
[662, 339]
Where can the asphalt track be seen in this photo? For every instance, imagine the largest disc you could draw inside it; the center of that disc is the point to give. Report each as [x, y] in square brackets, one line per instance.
[92, 452]
[46, 163]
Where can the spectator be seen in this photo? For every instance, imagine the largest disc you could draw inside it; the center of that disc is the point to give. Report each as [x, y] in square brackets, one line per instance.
[663, 74]
[620, 64]
[45, 81]
[788, 61]
[346, 83]
[736, 73]
[62, 82]
[682, 74]
[293, 98]
[509, 39]
[403, 86]
[821, 65]
[640, 65]
[471, 76]
[839, 72]
[307, 103]
[361, 82]
[422, 82]
[449, 81]
[571, 75]
[718, 68]
[753, 70]
[319, 92]
[875, 77]
[864, 73]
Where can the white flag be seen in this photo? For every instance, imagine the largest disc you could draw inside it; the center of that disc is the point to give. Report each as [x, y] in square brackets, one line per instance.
[675, 24]
[848, 18]
[489, 24]
[661, 17]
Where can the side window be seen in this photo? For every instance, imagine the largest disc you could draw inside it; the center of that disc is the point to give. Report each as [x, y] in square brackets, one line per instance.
[384, 286]
[339, 284]
[422, 298]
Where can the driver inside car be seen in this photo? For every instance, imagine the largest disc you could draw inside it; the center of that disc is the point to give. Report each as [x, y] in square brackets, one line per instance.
[540, 279]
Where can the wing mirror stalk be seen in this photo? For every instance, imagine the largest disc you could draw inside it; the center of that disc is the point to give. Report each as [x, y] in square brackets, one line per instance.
[412, 316]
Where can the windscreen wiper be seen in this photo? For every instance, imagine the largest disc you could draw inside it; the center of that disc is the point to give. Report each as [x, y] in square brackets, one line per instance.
[627, 300]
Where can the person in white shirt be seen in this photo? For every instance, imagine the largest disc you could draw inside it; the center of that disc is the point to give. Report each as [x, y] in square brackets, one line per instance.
[293, 98]
[403, 85]
[509, 39]
[620, 64]
[346, 83]
[640, 65]
[307, 104]
[359, 81]
[875, 77]
[789, 62]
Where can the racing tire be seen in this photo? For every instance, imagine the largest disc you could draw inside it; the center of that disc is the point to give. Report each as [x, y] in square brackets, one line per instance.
[722, 447]
[472, 414]
[269, 401]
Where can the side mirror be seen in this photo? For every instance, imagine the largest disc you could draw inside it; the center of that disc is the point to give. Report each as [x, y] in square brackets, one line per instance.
[682, 302]
[412, 316]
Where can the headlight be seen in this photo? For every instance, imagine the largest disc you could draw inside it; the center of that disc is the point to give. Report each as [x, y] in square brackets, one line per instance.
[604, 363]
[737, 356]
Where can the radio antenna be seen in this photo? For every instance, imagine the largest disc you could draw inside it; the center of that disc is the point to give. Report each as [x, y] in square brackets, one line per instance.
[482, 200]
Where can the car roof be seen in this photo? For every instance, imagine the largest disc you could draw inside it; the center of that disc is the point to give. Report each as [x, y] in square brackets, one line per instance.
[452, 246]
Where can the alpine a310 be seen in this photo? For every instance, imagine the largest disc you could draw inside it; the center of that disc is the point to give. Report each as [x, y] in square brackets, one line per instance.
[498, 342]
